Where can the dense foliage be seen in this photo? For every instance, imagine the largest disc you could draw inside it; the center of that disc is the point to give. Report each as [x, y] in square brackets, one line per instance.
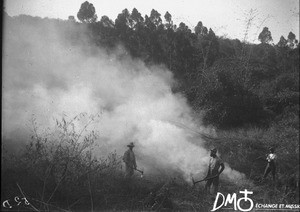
[238, 84]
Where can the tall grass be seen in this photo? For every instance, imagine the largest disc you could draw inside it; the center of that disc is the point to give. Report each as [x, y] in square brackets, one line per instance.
[57, 166]
[58, 171]
[245, 150]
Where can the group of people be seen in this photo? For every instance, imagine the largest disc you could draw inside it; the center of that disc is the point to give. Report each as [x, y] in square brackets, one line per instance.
[215, 167]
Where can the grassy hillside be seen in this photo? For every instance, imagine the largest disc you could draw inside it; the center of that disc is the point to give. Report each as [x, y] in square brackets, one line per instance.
[64, 175]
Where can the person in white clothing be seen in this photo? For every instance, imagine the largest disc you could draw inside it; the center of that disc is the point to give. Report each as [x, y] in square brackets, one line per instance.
[271, 166]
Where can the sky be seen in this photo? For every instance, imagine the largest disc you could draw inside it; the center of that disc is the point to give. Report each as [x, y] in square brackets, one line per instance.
[226, 17]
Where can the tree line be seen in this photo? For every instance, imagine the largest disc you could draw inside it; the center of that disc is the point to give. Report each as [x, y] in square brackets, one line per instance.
[235, 83]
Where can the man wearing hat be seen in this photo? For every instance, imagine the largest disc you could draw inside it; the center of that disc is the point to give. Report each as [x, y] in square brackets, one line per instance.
[271, 166]
[129, 160]
[214, 171]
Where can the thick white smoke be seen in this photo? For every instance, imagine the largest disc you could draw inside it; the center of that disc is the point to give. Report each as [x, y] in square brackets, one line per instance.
[45, 75]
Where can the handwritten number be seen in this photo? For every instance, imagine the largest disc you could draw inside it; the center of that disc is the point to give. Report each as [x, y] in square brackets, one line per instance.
[17, 199]
[26, 201]
[6, 204]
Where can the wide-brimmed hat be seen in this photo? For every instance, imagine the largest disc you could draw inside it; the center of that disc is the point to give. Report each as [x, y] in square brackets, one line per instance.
[130, 144]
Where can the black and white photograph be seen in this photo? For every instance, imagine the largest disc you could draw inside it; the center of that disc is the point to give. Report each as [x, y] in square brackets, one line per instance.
[161, 105]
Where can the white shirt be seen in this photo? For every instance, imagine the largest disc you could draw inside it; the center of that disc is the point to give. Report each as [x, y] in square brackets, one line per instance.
[271, 157]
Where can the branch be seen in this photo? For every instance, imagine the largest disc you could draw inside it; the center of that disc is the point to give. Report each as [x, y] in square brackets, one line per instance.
[34, 208]
[90, 191]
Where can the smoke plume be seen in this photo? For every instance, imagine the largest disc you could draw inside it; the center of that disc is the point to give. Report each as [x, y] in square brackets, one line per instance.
[46, 74]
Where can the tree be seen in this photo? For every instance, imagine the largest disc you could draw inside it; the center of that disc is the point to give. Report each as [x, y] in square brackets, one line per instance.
[106, 22]
[207, 44]
[184, 28]
[292, 41]
[103, 32]
[200, 29]
[265, 36]
[123, 20]
[282, 42]
[87, 13]
[168, 18]
[71, 18]
[149, 24]
[136, 19]
[214, 47]
[155, 18]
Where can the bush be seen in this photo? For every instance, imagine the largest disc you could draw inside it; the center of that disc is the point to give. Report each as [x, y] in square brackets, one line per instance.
[58, 167]
[226, 95]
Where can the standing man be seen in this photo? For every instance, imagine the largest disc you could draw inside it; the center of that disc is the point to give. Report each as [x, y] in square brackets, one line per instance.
[129, 160]
[271, 166]
[214, 171]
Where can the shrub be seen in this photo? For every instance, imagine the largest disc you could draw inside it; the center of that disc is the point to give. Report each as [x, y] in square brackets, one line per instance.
[59, 167]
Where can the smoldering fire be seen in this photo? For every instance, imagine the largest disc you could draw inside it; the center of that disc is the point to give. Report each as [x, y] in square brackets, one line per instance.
[46, 76]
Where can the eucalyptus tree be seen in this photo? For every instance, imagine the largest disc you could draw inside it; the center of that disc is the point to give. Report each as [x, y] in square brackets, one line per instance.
[265, 36]
[87, 13]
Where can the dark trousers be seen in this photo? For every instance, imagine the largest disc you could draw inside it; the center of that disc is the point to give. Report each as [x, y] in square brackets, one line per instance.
[215, 185]
[271, 167]
[128, 171]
